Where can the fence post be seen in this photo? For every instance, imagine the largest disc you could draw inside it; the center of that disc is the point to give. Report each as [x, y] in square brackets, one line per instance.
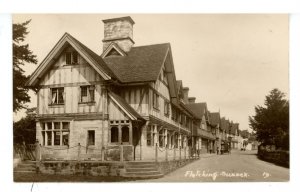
[156, 148]
[41, 151]
[121, 153]
[79, 149]
[37, 150]
[179, 153]
[102, 153]
[166, 153]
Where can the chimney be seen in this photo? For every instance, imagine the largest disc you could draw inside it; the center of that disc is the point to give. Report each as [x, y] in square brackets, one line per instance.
[185, 94]
[192, 99]
[120, 31]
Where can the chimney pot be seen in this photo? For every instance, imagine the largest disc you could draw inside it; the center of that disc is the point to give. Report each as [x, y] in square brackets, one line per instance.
[192, 99]
[185, 94]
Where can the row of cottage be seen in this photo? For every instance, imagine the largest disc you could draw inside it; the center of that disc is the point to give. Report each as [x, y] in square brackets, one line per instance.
[127, 96]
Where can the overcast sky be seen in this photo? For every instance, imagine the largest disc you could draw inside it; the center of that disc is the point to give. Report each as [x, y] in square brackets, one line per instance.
[229, 61]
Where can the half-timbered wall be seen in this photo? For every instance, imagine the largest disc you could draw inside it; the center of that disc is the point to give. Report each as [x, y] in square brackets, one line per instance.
[71, 77]
[138, 98]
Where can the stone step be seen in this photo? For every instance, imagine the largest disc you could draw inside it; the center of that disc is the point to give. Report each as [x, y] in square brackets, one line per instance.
[154, 176]
[142, 173]
[26, 165]
[17, 171]
[140, 165]
[140, 169]
[25, 169]
[141, 162]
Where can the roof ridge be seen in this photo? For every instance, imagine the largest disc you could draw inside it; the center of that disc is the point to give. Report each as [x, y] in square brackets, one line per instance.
[151, 45]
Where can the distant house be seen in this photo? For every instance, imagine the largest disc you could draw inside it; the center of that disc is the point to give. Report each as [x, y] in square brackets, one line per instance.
[206, 134]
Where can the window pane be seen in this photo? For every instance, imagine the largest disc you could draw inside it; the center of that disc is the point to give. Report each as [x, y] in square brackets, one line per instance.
[56, 137]
[61, 95]
[54, 96]
[84, 94]
[114, 134]
[125, 134]
[66, 125]
[49, 125]
[68, 58]
[49, 138]
[56, 125]
[91, 137]
[65, 137]
[75, 57]
[43, 126]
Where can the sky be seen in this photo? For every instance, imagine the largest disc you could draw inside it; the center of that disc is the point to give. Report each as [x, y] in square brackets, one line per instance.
[229, 61]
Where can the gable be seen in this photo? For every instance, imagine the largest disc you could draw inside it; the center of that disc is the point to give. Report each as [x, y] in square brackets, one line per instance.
[67, 40]
[59, 73]
[113, 50]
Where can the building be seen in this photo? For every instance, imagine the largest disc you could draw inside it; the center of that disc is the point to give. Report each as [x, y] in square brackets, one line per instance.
[126, 96]
[206, 134]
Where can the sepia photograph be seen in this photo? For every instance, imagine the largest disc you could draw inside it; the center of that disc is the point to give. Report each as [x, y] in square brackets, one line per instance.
[151, 98]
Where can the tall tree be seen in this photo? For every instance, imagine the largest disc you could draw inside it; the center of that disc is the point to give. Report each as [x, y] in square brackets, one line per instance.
[271, 122]
[21, 55]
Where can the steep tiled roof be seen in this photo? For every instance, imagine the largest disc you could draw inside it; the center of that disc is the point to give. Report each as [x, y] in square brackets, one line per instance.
[124, 104]
[141, 63]
[95, 57]
[215, 118]
[197, 108]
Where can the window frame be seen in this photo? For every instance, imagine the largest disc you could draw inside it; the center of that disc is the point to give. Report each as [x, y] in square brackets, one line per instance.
[90, 94]
[155, 100]
[51, 133]
[57, 91]
[73, 58]
[166, 108]
[93, 138]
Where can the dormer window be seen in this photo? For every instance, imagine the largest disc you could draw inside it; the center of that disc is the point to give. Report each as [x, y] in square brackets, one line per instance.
[71, 58]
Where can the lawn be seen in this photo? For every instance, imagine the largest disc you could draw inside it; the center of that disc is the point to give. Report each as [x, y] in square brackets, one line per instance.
[33, 177]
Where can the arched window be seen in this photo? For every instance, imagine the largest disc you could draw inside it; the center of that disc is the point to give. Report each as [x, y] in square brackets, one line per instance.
[114, 135]
[125, 134]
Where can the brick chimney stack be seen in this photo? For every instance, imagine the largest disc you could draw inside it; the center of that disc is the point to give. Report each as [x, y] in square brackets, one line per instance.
[120, 31]
[185, 94]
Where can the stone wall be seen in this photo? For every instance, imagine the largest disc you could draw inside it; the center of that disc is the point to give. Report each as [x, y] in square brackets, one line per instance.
[169, 166]
[81, 168]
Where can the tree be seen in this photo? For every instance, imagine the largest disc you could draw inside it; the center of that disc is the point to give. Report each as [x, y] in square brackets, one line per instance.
[271, 122]
[24, 130]
[21, 56]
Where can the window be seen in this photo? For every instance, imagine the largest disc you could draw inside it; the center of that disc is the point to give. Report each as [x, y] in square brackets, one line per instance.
[114, 135]
[57, 95]
[161, 138]
[87, 94]
[55, 133]
[125, 134]
[71, 58]
[91, 137]
[167, 108]
[155, 100]
[176, 140]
